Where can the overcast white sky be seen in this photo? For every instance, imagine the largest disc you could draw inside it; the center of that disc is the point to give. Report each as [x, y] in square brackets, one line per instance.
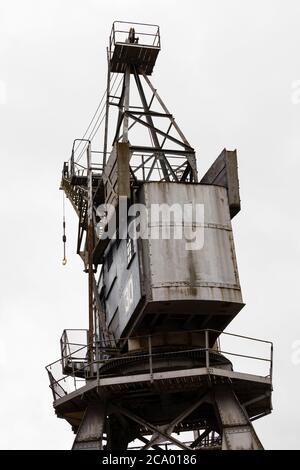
[226, 71]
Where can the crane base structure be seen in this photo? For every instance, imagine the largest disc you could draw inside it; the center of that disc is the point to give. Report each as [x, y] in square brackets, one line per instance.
[139, 399]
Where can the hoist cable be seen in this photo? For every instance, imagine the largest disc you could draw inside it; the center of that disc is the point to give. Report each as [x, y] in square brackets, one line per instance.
[64, 238]
[91, 121]
[99, 118]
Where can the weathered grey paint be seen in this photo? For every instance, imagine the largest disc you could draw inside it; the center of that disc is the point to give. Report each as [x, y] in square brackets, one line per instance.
[176, 273]
[224, 172]
[122, 286]
[116, 174]
[199, 286]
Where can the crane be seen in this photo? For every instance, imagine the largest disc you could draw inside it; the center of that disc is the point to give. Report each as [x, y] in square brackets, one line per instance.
[151, 363]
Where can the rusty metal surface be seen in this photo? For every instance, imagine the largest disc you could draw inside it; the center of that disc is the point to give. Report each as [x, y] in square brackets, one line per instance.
[134, 44]
[116, 174]
[238, 431]
[209, 273]
[140, 391]
[197, 282]
[122, 286]
[202, 282]
[143, 56]
[89, 435]
[224, 172]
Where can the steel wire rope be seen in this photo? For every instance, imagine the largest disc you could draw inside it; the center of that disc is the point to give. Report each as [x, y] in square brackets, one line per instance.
[93, 135]
[94, 115]
[93, 131]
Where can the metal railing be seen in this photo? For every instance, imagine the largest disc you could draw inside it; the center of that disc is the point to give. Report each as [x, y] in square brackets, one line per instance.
[72, 370]
[69, 350]
[72, 167]
[147, 34]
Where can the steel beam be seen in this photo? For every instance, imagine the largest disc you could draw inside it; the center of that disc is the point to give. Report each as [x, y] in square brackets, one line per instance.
[237, 430]
[149, 426]
[90, 433]
[169, 428]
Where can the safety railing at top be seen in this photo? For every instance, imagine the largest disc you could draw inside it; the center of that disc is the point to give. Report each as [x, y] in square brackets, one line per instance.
[73, 351]
[76, 357]
[72, 167]
[146, 34]
[77, 169]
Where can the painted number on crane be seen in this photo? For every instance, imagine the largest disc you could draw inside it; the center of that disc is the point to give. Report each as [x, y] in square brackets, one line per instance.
[128, 294]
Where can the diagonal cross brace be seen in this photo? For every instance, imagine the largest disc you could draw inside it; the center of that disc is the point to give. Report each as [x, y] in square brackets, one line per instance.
[170, 427]
[150, 426]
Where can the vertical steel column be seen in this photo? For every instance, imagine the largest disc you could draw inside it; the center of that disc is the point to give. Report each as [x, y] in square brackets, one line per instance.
[150, 358]
[72, 162]
[90, 433]
[126, 103]
[237, 430]
[206, 349]
[271, 364]
[90, 248]
[107, 110]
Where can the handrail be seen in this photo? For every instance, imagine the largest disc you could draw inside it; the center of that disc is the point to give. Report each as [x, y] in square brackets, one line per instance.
[132, 22]
[82, 369]
[115, 31]
[202, 330]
